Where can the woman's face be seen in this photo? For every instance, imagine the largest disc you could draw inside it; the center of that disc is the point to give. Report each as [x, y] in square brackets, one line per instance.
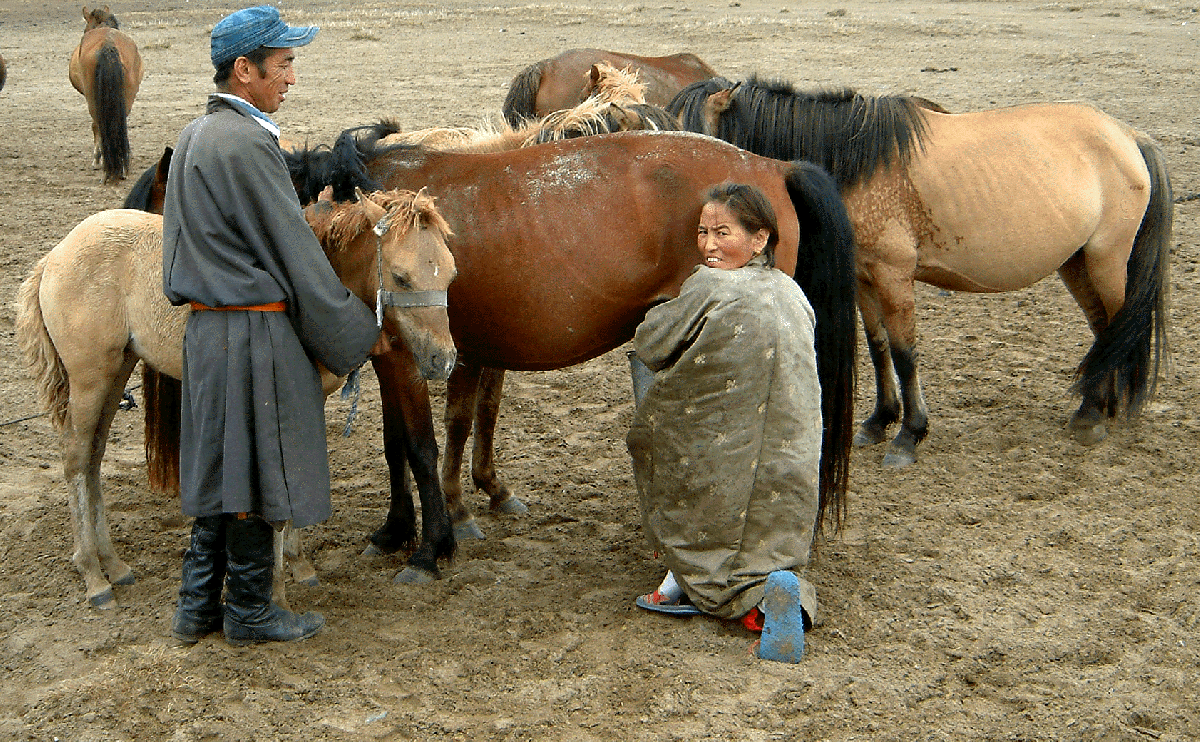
[723, 241]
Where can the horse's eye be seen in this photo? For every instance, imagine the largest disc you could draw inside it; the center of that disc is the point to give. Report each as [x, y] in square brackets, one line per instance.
[402, 282]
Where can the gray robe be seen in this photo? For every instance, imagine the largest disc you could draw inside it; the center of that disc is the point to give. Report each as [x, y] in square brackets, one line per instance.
[253, 419]
[726, 442]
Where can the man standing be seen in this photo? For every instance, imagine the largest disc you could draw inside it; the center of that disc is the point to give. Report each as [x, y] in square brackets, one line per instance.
[265, 304]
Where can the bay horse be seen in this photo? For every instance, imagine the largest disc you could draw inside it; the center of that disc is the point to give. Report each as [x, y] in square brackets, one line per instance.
[564, 81]
[987, 201]
[93, 307]
[563, 247]
[106, 67]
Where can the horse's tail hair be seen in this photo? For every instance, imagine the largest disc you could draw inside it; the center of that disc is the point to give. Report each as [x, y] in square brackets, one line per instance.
[161, 397]
[825, 271]
[1123, 363]
[41, 356]
[111, 113]
[520, 105]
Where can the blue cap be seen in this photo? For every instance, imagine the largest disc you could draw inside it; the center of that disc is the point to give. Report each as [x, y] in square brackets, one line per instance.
[240, 33]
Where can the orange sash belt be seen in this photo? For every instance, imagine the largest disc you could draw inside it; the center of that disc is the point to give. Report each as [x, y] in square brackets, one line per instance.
[275, 306]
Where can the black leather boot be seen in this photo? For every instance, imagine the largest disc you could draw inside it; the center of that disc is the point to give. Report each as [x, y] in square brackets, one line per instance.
[250, 616]
[198, 612]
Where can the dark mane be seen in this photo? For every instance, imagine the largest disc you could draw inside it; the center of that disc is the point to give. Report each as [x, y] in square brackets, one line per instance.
[850, 135]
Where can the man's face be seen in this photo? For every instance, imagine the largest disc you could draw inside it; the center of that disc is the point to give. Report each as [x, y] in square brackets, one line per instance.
[267, 91]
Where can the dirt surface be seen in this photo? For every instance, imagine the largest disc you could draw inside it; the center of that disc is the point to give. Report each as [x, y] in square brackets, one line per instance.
[1010, 586]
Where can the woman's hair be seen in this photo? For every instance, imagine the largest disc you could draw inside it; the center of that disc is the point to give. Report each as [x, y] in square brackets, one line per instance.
[751, 208]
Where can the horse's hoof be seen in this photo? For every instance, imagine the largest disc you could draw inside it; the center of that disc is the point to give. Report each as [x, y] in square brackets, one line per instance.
[898, 459]
[413, 576]
[468, 529]
[1089, 435]
[128, 578]
[862, 439]
[511, 506]
[104, 600]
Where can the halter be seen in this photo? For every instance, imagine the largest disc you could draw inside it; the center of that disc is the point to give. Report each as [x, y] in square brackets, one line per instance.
[403, 299]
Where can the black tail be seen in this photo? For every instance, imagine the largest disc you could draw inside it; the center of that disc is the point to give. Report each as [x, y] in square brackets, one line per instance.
[1123, 363]
[825, 270]
[520, 105]
[148, 192]
[110, 110]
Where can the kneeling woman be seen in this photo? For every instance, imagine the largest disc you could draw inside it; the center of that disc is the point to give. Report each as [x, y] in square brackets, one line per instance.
[726, 442]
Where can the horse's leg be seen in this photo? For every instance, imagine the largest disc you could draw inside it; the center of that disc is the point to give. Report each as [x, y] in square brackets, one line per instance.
[302, 569]
[399, 530]
[408, 427]
[462, 389]
[887, 390]
[278, 575]
[95, 394]
[483, 459]
[898, 309]
[1088, 425]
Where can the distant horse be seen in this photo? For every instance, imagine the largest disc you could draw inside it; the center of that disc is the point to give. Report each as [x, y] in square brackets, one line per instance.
[3, 72]
[982, 202]
[563, 247]
[81, 352]
[106, 68]
[566, 80]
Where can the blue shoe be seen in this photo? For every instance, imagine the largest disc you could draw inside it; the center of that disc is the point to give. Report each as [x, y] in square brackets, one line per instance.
[783, 628]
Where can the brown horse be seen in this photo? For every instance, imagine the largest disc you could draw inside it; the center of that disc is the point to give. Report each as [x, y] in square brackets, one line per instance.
[562, 248]
[3, 72]
[984, 202]
[106, 68]
[564, 81]
[93, 307]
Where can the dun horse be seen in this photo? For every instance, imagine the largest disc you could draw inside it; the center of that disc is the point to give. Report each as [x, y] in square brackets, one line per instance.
[93, 307]
[566, 80]
[988, 201]
[106, 68]
[562, 248]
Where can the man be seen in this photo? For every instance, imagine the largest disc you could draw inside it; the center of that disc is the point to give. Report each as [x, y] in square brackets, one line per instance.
[265, 304]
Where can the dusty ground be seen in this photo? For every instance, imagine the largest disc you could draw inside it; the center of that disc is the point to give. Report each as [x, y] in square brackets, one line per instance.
[1011, 586]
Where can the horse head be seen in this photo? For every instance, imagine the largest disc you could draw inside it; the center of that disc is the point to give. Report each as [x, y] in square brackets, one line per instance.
[99, 18]
[715, 105]
[611, 85]
[389, 248]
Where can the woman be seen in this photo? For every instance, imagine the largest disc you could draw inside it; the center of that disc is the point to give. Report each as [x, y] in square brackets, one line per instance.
[726, 442]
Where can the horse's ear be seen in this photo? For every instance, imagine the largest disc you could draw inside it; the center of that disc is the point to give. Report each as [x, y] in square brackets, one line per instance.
[593, 75]
[373, 211]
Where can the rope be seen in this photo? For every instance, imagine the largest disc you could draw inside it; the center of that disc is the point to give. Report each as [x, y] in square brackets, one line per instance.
[127, 403]
[352, 387]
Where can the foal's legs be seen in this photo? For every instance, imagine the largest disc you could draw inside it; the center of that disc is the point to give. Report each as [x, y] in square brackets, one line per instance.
[408, 437]
[483, 458]
[95, 392]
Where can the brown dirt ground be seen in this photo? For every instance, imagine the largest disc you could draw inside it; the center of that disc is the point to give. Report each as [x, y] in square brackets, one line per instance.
[1011, 586]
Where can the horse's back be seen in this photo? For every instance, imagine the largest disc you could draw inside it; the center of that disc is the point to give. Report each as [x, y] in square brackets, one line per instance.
[639, 195]
[1016, 191]
[564, 76]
